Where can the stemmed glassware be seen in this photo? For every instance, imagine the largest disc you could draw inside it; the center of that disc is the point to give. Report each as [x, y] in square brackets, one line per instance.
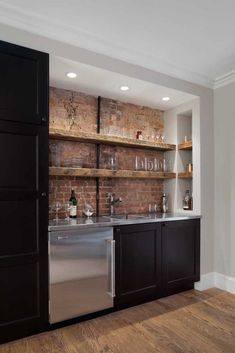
[55, 154]
[88, 210]
[57, 207]
[67, 207]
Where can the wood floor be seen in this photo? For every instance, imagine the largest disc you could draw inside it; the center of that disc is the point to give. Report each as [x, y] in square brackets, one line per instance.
[188, 322]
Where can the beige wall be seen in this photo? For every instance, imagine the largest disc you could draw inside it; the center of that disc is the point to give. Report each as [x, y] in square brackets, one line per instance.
[224, 129]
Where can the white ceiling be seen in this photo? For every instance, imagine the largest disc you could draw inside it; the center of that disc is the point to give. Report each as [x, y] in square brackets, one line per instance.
[189, 39]
[96, 81]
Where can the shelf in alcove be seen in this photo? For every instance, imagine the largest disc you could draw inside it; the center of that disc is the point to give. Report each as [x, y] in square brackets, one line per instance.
[109, 140]
[187, 146]
[185, 175]
[107, 173]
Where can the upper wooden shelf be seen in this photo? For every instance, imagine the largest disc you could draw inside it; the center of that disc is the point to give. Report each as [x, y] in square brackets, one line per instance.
[109, 140]
[186, 145]
[107, 173]
[185, 175]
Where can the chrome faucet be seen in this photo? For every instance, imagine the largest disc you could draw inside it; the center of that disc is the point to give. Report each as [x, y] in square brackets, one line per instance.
[112, 202]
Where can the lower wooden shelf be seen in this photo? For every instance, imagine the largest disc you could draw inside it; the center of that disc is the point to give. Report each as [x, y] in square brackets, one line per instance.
[185, 175]
[107, 173]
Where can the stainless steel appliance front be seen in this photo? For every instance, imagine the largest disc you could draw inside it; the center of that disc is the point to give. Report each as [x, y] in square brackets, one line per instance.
[82, 273]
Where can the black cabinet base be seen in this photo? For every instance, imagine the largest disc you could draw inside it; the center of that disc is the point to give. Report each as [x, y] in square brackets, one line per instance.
[138, 301]
[175, 290]
[17, 331]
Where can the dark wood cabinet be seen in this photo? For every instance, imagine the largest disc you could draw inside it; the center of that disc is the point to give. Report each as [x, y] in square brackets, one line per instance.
[138, 263]
[24, 84]
[155, 260]
[23, 192]
[181, 255]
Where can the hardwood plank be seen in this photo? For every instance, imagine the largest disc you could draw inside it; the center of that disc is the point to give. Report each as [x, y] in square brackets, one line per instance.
[192, 321]
[174, 338]
[109, 140]
[224, 303]
[223, 339]
[214, 315]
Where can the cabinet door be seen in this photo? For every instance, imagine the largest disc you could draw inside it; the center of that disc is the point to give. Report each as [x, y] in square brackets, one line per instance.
[23, 235]
[24, 84]
[181, 255]
[138, 264]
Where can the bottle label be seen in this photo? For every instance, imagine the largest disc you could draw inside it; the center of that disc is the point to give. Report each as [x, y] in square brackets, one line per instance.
[73, 211]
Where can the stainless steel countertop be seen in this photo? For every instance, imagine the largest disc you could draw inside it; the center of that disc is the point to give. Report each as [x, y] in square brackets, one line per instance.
[106, 221]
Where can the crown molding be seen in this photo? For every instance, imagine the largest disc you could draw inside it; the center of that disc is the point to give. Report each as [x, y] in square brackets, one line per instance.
[224, 80]
[31, 22]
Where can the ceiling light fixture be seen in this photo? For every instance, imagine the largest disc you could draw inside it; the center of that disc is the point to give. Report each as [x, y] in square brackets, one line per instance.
[71, 74]
[165, 99]
[124, 88]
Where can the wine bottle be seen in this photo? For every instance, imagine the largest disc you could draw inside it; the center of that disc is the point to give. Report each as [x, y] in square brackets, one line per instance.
[73, 205]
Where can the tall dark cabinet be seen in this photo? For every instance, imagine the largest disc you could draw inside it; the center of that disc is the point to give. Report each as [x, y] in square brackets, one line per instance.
[23, 191]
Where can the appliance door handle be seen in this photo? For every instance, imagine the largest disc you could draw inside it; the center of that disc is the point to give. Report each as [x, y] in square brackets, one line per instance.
[111, 268]
[62, 237]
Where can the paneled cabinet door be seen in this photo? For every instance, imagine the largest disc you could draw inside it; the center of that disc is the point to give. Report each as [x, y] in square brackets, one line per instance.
[181, 255]
[23, 84]
[23, 235]
[138, 263]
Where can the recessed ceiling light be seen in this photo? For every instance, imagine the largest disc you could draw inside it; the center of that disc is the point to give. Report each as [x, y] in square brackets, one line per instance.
[124, 88]
[166, 99]
[71, 74]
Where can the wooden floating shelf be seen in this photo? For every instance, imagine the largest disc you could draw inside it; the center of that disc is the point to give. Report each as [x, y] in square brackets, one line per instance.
[107, 173]
[188, 146]
[109, 140]
[185, 175]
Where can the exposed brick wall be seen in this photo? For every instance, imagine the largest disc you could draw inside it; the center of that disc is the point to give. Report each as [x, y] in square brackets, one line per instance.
[126, 118]
[116, 118]
[60, 190]
[69, 149]
[83, 110]
[136, 194]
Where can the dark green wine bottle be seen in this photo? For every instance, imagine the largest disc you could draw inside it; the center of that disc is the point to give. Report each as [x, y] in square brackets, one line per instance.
[73, 205]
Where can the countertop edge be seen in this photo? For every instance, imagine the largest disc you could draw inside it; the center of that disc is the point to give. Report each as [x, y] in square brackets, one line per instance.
[103, 222]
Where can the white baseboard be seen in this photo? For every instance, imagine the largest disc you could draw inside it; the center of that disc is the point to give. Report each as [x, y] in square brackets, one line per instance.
[207, 281]
[215, 279]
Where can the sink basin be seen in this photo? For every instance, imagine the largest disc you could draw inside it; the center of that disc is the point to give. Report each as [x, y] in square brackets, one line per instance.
[136, 216]
[123, 217]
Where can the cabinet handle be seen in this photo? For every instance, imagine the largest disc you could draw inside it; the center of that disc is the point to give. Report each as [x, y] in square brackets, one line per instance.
[111, 290]
[43, 194]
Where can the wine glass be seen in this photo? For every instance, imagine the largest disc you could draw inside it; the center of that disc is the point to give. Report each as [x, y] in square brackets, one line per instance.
[67, 208]
[162, 138]
[88, 210]
[57, 207]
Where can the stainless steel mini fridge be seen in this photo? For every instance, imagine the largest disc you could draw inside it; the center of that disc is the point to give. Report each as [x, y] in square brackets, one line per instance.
[82, 272]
